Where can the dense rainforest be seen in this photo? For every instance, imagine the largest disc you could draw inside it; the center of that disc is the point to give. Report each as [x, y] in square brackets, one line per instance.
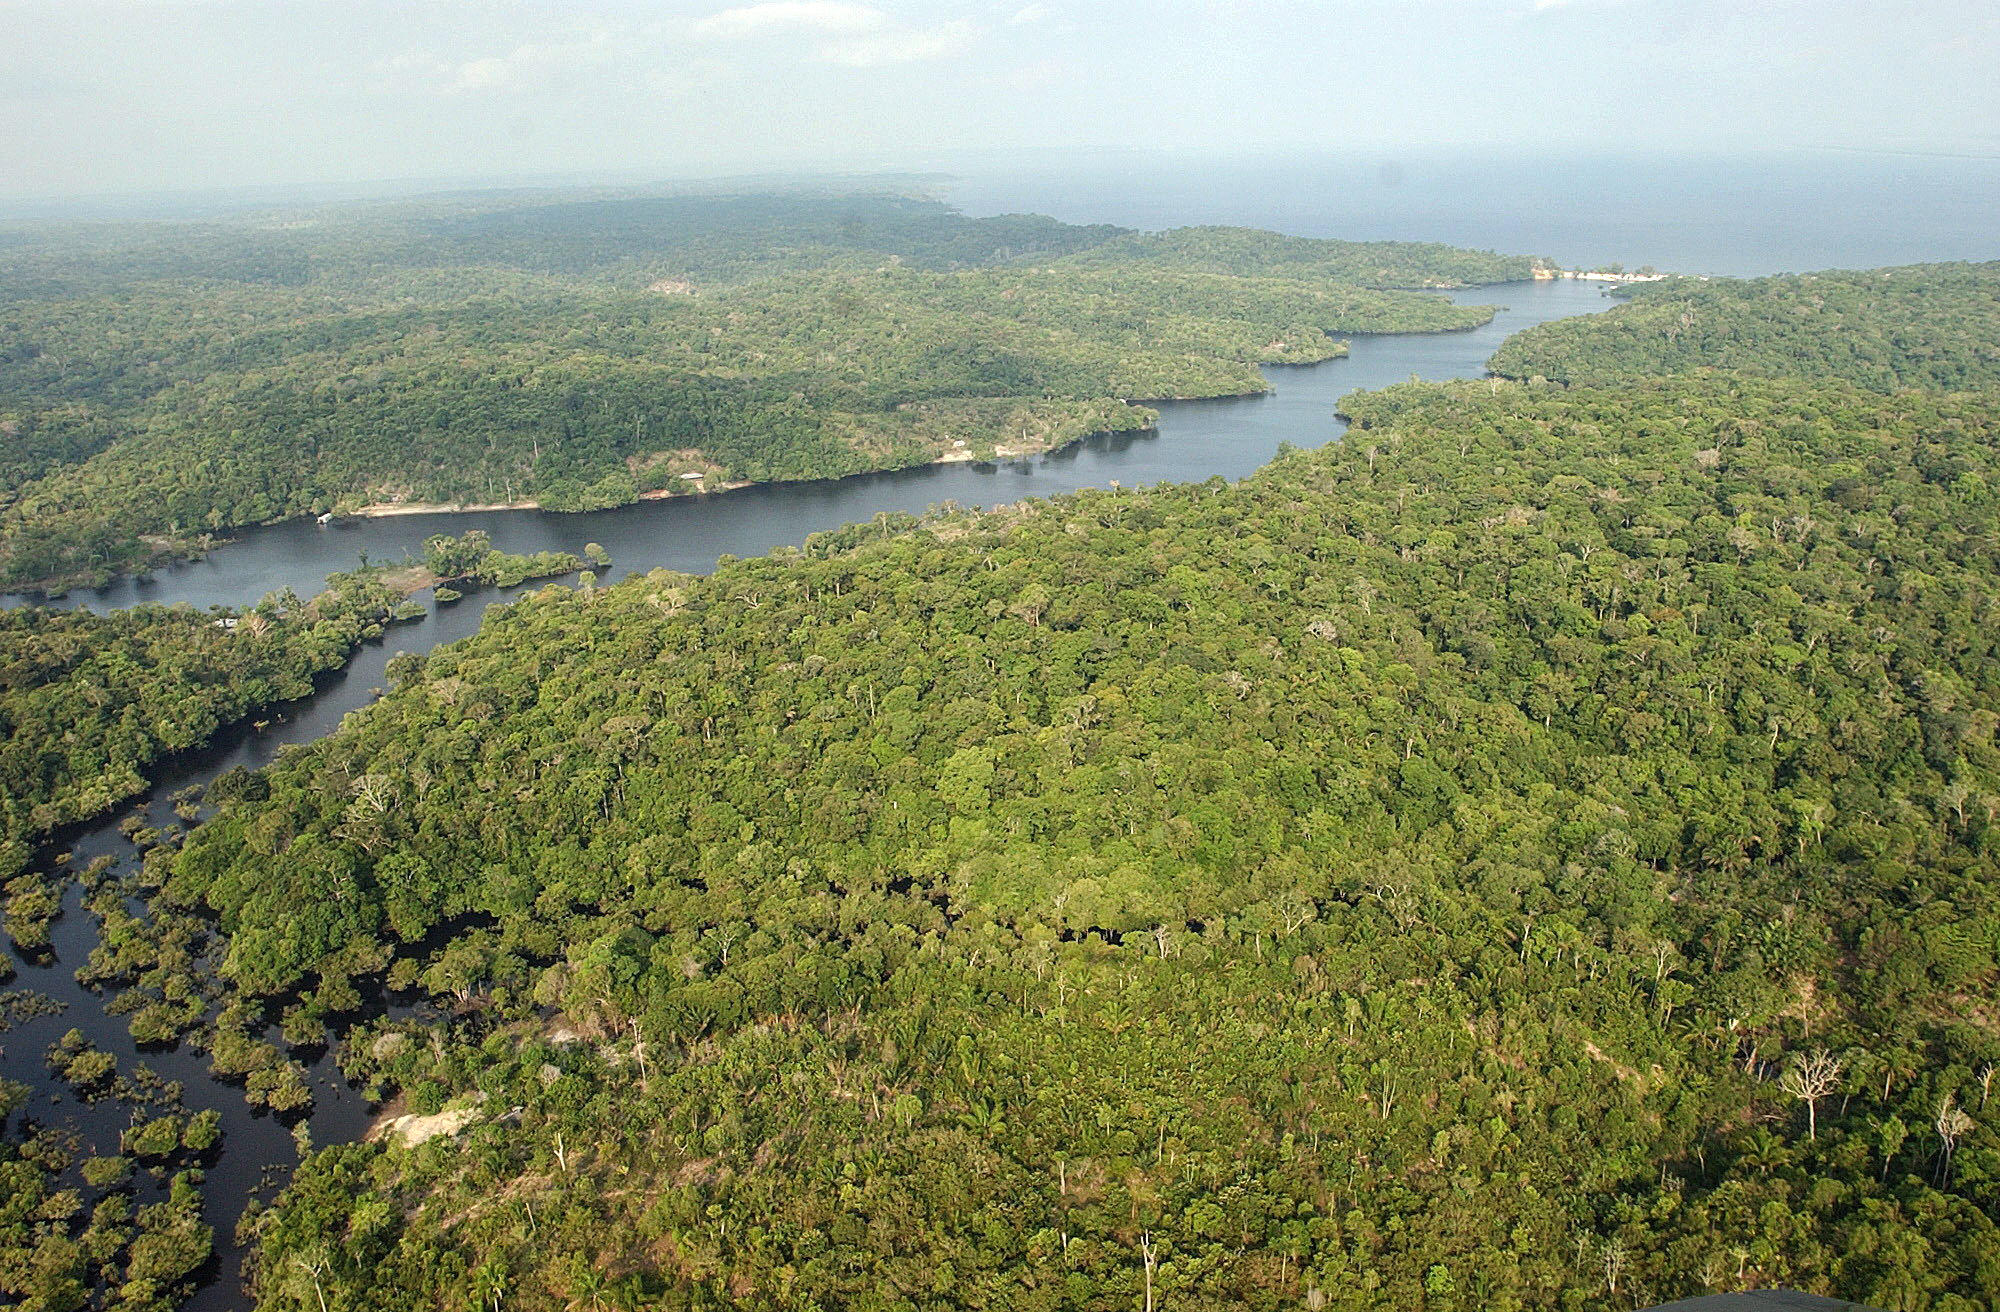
[1925, 325]
[1539, 852]
[160, 382]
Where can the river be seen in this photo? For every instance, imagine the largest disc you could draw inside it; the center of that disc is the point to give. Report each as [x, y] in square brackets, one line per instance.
[1194, 440]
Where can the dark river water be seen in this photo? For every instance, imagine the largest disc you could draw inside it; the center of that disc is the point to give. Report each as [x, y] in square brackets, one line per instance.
[1194, 440]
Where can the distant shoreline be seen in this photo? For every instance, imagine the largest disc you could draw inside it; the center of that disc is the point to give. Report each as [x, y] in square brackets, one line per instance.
[1598, 275]
[391, 509]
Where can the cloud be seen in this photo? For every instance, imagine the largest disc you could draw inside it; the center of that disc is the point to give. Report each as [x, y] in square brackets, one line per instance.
[838, 32]
[899, 46]
[1029, 14]
[526, 65]
[787, 17]
[495, 71]
[1038, 76]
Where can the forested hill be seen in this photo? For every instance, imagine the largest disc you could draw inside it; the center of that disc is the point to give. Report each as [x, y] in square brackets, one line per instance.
[159, 382]
[1537, 853]
[1254, 252]
[735, 238]
[709, 239]
[1924, 325]
[629, 239]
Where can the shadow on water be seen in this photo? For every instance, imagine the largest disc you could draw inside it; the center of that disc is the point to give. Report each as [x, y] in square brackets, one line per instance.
[1195, 440]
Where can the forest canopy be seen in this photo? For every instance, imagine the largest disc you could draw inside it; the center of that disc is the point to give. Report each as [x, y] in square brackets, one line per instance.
[1538, 852]
[1921, 325]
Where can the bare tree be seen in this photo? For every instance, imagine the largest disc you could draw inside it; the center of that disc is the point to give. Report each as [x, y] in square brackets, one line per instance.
[1805, 999]
[1398, 898]
[1151, 1257]
[313, 1268]
[1811, 1078]
[1386, 1091]
[372, 791]
[1952, 1124]
[1294, 910]
[638, 1047]
[1612, 1258]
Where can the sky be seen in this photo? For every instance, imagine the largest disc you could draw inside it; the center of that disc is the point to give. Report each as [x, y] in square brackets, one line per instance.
[102, 97]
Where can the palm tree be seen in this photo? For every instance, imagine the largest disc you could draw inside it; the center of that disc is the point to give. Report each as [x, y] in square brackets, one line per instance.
[489, 1286]
[1764, 1150]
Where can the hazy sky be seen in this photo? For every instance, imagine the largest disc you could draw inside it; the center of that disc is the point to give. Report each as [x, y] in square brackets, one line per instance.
[123, 95]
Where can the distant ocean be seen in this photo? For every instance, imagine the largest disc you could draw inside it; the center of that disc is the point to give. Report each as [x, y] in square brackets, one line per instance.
[1741, 216]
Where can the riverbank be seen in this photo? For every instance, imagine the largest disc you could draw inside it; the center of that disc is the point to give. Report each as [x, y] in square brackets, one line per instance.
[1599, 275]
[163, 552]
[962, 454]
[395, 509]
